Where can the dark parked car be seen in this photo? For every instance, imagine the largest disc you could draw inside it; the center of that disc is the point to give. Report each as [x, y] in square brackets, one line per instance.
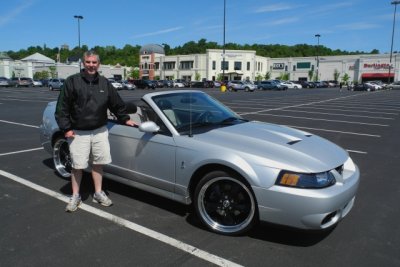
[144, 84]
[270, 85]
[21, 81]
[56, 83]
[202, 84]
[167, 83]
[306, 84]
[363, 87]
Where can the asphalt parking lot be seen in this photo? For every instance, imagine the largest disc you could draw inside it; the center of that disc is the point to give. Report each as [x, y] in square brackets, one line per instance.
[141, 229]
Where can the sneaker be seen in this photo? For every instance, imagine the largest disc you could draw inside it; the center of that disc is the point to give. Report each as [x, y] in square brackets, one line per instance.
[74, 203]
[102, 199]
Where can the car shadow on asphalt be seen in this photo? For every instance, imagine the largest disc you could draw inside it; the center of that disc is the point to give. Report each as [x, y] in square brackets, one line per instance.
[287, 235]
[262, 231]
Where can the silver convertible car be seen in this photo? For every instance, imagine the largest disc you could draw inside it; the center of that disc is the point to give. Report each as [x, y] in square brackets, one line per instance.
[190, 148]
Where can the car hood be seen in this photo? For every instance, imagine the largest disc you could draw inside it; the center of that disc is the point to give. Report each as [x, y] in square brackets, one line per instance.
[276, 146]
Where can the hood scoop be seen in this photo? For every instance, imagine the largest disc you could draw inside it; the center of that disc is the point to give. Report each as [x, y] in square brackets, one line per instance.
[293, 142]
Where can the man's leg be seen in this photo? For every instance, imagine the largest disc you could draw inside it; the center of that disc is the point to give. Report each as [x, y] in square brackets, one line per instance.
[75, 200]
[76, 178]
[97, 175]
[99, 195]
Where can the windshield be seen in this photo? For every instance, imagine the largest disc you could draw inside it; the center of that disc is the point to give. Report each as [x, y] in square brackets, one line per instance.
[192, 111]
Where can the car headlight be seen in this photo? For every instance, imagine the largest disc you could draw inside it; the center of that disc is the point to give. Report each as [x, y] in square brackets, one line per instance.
[305, 180]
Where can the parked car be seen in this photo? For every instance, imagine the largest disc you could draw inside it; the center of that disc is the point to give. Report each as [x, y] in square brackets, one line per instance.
[395, 85]
[55, 83]
[45, 82]
[117, 85]
[241, 85]
[21, 81]
[167, 83]
[375, 85]
[307, 84]
[271, 85]
[127, 85]
[363, 87]
[273, 174]
[292, 85]
[37, 83]
[204, 84]
[144, 84]
[178, 84]
[4, 82]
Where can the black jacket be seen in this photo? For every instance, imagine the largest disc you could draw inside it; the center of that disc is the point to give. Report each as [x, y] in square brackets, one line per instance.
[82, 104]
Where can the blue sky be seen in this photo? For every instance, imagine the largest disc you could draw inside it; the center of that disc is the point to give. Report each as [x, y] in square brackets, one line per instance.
[349, 25]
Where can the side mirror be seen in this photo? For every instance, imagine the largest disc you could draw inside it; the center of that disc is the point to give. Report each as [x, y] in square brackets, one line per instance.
[149, 127]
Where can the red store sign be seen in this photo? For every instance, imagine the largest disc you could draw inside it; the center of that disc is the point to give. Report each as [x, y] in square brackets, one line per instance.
[376, 66]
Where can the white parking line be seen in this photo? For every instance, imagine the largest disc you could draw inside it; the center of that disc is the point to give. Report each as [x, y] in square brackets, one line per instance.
[338, 114]
[128, 224]
[356, 151]
[21, 151]
[316, 119]
[21, 124]
[334, 131]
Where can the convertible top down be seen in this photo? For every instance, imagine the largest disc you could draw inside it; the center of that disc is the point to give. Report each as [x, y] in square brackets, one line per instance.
[191, 148]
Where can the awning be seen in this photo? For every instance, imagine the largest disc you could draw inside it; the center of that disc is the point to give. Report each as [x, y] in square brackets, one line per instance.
[377, 75]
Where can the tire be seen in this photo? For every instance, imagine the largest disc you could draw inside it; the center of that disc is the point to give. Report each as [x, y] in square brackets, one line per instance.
[61, 157]
[224, 204]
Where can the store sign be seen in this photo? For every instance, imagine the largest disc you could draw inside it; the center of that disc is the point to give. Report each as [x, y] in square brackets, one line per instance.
[376, 66]
[278, 66]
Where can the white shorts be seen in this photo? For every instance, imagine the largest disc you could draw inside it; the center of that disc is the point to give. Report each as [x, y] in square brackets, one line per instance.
[92, 145]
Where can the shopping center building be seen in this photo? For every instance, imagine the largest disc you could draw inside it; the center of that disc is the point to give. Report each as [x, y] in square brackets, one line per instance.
[238, 65]
[246, 65]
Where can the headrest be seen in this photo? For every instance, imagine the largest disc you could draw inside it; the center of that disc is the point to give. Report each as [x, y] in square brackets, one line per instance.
[164, 104]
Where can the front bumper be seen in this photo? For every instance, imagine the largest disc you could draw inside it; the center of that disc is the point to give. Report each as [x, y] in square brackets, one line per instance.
[308, 208]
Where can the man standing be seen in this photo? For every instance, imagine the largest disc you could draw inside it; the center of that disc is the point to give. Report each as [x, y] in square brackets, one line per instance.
[81, 114]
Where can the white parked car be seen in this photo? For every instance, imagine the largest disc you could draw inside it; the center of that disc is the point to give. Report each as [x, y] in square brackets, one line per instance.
[177, 84]
[375, 85]
[37, 83]
[292, 85]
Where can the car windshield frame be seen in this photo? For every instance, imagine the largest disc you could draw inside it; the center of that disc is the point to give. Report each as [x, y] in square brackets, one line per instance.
[195, 112]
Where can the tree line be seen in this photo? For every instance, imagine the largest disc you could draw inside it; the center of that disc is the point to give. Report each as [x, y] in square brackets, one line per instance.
[129, 55]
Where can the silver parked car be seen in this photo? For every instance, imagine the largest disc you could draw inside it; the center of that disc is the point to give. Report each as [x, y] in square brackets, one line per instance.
[241, 85]
[192, 149]
[55, 83]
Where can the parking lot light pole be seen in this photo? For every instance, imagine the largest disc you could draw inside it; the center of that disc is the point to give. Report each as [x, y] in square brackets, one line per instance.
[395, 3]
[78, 17]
[318, 35]
[223, 47]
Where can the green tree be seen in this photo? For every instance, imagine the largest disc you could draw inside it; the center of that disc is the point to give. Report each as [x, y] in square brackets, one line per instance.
[336, 75]
[134, 73]
[310, 75]
[345, 78]
[197, 76]
[259, 77]
[53, 71]
[267, 75]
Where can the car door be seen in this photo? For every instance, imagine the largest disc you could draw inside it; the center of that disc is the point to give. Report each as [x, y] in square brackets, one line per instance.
[146, 158]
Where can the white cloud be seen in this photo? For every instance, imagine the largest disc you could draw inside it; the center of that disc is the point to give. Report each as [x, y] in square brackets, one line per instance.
[15, 12]
[273, 8]
[158, 32]
[283, 21]
[358, 26]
